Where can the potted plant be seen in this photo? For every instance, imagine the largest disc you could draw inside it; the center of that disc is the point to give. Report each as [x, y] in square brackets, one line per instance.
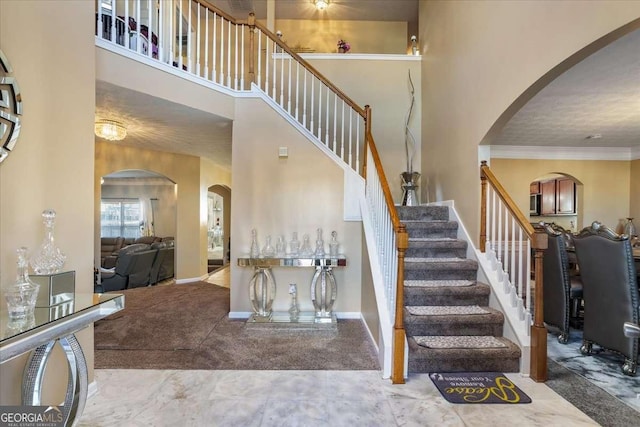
[343, 46]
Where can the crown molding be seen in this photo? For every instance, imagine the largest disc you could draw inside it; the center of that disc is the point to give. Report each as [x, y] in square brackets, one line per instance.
[564, 153]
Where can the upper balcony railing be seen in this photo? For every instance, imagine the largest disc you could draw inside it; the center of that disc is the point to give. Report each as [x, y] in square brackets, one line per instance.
[194, 37]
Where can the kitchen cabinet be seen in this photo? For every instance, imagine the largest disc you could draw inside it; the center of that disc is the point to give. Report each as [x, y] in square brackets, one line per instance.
[558, 197]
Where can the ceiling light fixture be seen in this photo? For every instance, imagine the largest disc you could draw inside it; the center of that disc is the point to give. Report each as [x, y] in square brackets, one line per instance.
[110, 129]
[322, 4]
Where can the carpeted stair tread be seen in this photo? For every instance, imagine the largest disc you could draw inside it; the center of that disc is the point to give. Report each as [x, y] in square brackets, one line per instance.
[459, 342]
[446, 292]
[445, 310]
[490, 323]
[436, 248]
[503, 359]
[424, 213]
[438, 283]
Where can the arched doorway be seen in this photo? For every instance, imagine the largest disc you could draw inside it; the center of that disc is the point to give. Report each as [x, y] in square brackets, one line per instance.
[557, 197]
[218, 226]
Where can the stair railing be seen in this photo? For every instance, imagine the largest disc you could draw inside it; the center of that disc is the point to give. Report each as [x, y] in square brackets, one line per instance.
[507, 240]
[195, 37]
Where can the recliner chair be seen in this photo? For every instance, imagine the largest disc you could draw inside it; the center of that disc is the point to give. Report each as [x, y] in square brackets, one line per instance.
[610, 292]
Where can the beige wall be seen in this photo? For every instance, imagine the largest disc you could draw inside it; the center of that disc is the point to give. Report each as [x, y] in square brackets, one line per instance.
[478, 58]
[185, 171]
[384, 85]
[279, 196]
[606, 185]
[634, 199]
[369, 304]
[322, 36]
[52, 164]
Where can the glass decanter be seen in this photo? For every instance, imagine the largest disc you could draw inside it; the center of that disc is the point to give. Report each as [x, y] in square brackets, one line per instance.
[48, 259]
[319, 244]
[281, 246]
[334, 245]
[306, 246]
[630, 228]
[268, 250]
[294, 310]
[294, 245]
[22, 295]
[255, 249]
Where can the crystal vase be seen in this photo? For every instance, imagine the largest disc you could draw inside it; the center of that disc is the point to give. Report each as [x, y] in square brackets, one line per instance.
[255, 249]
[409, 186]
[22, 295]
[630, 228]
[48, 259]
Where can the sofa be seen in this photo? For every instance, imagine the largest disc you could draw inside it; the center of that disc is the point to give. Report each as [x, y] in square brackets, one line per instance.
[163, 265]
[111, 245]
[132, 269]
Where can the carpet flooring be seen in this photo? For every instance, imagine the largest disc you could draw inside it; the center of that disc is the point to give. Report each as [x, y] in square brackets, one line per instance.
[186, 327]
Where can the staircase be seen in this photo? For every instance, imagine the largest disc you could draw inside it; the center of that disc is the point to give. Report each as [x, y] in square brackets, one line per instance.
[449, 325]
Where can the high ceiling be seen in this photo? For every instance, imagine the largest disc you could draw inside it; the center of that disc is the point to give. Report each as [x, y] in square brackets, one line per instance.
[596, 103]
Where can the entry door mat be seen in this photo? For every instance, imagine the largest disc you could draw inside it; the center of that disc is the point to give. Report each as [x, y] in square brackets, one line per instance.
[478, 387]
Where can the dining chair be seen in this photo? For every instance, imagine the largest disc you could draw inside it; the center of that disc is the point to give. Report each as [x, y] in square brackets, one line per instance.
[610, 292]
[562, 292]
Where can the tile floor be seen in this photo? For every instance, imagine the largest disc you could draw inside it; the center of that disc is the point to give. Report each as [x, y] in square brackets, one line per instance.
[304, 398]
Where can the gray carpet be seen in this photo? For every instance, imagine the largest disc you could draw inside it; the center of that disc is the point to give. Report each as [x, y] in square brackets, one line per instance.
[186, 327]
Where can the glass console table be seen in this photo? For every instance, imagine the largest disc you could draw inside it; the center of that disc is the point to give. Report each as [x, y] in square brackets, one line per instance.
[262, 288]
[40, 332]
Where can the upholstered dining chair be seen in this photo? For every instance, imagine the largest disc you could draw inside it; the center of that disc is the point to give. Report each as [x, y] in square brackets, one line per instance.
[562, 292]
[610, 292]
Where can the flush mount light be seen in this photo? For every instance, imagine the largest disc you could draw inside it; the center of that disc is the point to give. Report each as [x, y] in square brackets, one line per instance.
[321, 4]
[110, 129]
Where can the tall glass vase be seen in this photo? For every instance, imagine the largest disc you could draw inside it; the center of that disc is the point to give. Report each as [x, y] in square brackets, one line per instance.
[630, 228]
[409, 185]
[48, 259]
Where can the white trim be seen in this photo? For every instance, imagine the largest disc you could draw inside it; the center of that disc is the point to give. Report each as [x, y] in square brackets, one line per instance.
[348, 315]
[239, 314]
[92, 389]
[358, 56]
[340, 315]
[191, 279]
[144, 59]
[564, 153]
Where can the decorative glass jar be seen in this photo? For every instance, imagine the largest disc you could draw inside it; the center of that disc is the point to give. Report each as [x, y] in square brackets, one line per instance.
[48, 259]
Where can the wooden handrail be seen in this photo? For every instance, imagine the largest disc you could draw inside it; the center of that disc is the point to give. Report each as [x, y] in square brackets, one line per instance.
[539, 242]
[402, 243]
[310, 68]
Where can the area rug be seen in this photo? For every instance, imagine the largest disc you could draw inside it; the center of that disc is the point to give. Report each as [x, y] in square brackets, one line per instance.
[187, 327]
[478, 388]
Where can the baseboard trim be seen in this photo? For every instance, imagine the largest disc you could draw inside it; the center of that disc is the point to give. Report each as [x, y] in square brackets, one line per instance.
[339, 315]
[191, 280]
[92, 389]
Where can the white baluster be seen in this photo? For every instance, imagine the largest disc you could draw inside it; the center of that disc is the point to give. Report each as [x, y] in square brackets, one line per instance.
[289, 86]
[499, 242]
[312, 104]
[198, 41]
[260, 60]
[161, 24]
[206, 43]
[214, 59]
[222, 51]
[235, 79]
[304, 99]
[113, 23]
[327, 141]
[179, 35]
[189, 56]
[350, 133]
[528, 276]
[335, 123]
[229, 54]
[342, 133]
[242, 87]
[274, 94]
[127, 32]
[513, 251]
[320, 111]
[297, 89]
[520, 261]
[149, 30]
[357, 168]
[138, 28]
[281, 77]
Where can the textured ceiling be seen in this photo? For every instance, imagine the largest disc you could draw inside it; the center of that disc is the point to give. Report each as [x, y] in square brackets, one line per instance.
[598, 96]
[157, 124]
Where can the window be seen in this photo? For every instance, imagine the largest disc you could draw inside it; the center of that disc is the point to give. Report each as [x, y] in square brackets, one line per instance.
[120, 217]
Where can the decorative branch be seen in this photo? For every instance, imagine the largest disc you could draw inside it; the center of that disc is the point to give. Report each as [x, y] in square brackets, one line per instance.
[409, 139]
